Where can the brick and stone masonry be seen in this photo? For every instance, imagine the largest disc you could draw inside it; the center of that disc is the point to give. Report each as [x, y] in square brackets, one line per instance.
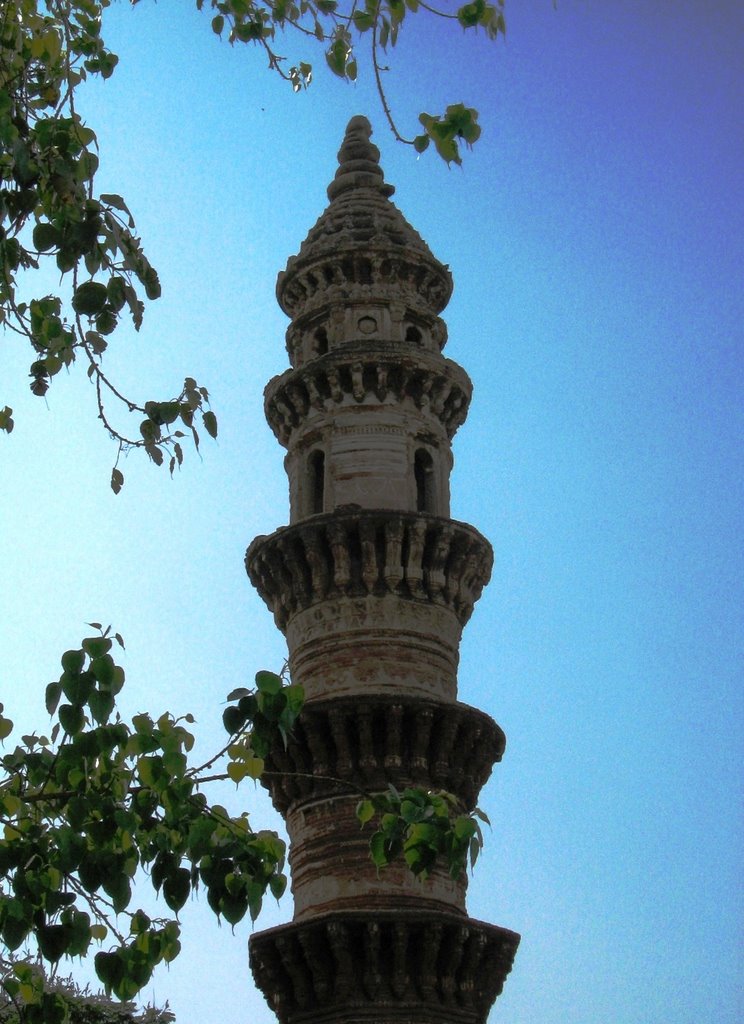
[372, 584]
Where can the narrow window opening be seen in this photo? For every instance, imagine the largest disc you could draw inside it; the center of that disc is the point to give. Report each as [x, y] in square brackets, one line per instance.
[321, 341]
[316, 482]
[413, 334]
[423, 471]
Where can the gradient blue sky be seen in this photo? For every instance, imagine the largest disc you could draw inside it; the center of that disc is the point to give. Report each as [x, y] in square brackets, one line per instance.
[595, 237]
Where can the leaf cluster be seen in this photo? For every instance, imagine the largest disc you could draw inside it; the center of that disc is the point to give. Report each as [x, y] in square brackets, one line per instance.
[85, 809]
[426, 827]
[256, 719]
[29, 996]
[49, 212]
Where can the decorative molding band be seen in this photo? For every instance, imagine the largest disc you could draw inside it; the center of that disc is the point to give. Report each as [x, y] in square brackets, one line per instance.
[373, 741]
[415, 556]
[343, 273]
[357, 374]
[399, 967]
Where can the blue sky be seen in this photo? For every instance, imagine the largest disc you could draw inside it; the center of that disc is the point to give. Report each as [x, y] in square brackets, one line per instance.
[595, 238]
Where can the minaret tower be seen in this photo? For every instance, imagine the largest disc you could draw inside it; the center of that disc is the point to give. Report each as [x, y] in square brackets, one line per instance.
[372, 583]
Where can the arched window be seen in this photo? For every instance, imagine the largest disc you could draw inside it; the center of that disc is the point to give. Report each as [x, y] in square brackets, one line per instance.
[316, 482]
[413, 335]
[423, 472]
[321, 341]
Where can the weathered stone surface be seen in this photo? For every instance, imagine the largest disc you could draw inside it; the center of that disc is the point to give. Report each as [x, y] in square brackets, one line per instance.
[340, 745]
[371, 375]
[372, 583]
[362, 249]
[397, 967]
[416, 557]
[326, 831]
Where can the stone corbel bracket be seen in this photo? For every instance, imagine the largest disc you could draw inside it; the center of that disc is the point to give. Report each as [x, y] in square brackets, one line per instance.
[400, 967]
[359, 374]
[321, 274]
[343, 744]
[414, 556]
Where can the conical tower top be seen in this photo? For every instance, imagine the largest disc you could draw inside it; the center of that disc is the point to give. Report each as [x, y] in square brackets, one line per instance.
[362, 248]
[359, 162]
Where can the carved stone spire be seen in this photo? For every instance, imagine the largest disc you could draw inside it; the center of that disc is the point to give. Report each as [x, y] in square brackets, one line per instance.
[372, 584]
[359, 162]
[363, 240]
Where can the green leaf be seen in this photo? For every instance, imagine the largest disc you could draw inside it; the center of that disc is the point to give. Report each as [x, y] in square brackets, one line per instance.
[52, 941]
[101, 705]
[73, 661]
[176, 888]
[233, 908]
[45, 237]
[233, 720]
[89, 298]
[278, 885]
[268, 682]
[241, 691]
[71, 718]
[210, 423]
[365, 811]
[118, 203]
[53, 693]
[6, 419]
[118, 887]
[96, 646]
[464, 827]
[377, 850]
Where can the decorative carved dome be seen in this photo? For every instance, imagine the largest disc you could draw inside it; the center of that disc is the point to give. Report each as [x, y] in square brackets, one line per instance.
[362, 243]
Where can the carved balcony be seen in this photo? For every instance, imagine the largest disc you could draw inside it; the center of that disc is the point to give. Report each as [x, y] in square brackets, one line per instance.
[363, 553]
[342, 744]
[380, 967]
[362, 373]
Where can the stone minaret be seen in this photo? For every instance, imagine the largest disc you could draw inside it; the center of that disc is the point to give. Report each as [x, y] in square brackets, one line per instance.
[372, 583]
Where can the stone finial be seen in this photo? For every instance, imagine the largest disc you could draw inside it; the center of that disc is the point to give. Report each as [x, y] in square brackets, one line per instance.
[359, 162]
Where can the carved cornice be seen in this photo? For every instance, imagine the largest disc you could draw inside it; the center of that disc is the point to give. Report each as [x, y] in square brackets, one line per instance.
[362, 246]
[370, 742]
[337, 266]
[414, 556]
[364, 373]
[400, 967]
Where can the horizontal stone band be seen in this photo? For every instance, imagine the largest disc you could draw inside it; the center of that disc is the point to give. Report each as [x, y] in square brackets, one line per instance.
[369, 552]
[354, 374]
[403, 967]
[374, 741]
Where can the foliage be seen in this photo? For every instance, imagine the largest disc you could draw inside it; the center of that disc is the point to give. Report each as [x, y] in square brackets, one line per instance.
[85, 808]
[51, 215]
[425, 827]
[99, 802]
[28, 994]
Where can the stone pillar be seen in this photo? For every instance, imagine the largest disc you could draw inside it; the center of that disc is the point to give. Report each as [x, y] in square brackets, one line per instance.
[372, 583]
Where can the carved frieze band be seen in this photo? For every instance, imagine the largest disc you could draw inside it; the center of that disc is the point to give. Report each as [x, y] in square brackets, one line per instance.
[374, 741]
[404, 966]
[438, 387]
[355, 275]
[368, 552]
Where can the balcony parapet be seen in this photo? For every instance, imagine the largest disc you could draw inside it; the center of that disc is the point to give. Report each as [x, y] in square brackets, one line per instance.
[399, 967]
[360, 373]
[416, 557]
[342, 744]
